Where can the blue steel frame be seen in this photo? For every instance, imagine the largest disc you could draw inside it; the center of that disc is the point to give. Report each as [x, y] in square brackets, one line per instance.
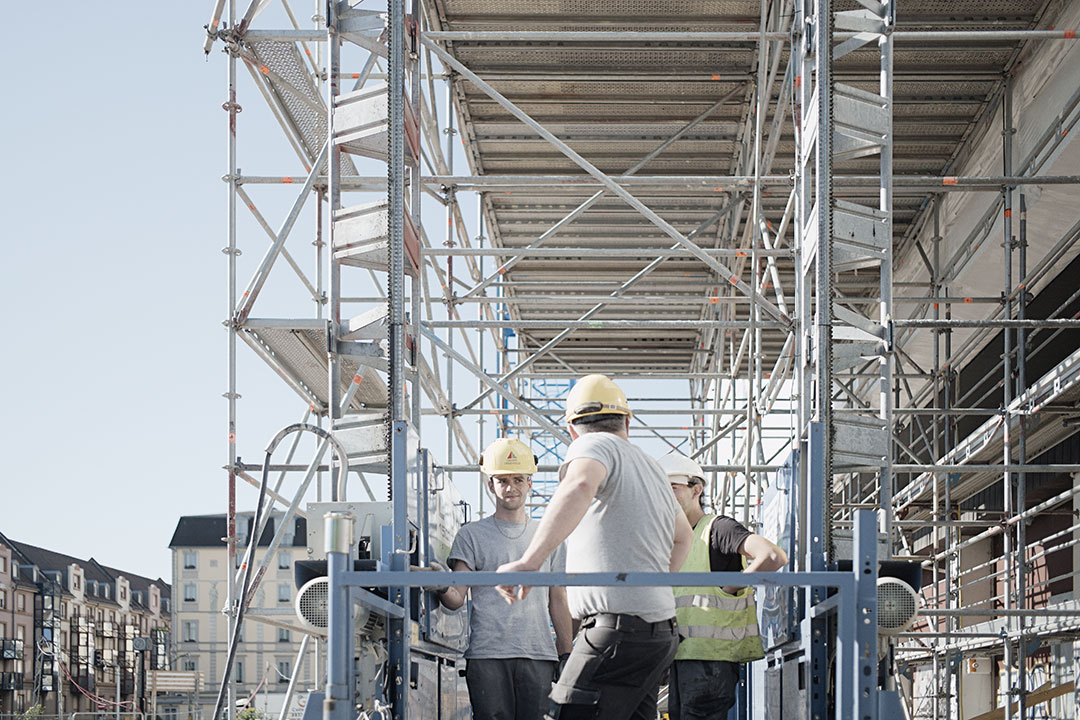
[855, 602]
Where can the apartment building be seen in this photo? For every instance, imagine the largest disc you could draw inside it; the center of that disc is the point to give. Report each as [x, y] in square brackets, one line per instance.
[267, 654]
[74, 630]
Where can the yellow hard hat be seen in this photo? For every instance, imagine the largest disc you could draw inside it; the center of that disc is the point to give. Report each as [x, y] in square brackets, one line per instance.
[595, 395]
[508, 456]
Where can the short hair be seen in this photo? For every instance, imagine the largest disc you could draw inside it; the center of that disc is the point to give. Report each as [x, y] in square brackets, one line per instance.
[601, 422]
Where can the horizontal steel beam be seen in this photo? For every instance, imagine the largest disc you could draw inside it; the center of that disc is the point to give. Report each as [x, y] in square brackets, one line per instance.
[546, 36]
[1057, 323]
[837, 579]
[714, 183]
[600, 324]
[635, 252]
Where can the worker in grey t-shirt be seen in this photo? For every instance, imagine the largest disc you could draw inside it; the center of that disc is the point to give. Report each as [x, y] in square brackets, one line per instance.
[616, 505]
[512, 658]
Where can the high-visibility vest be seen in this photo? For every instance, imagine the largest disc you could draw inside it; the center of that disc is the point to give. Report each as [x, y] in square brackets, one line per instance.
[713, 624]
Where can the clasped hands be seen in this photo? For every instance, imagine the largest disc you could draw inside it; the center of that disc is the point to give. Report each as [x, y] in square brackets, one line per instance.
[513, 593]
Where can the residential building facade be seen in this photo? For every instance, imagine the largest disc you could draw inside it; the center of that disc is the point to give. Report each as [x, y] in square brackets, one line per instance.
[76, 635]
[267, 653]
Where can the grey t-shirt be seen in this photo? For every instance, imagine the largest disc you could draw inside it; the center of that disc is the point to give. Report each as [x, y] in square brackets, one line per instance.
[499, 630]
[629, 527]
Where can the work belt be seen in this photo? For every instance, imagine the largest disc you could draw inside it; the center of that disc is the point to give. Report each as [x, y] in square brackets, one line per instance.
[627, 623]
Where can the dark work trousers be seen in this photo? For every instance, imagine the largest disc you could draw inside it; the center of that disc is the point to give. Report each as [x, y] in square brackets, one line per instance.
[509, 688]
[614, 670]
[702, 689]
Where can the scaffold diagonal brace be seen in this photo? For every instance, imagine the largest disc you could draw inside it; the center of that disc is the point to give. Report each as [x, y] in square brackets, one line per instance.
[259, 279]
[614, 187]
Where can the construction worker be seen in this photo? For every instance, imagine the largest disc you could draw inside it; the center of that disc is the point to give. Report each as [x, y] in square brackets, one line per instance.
[615, 511]
[512, 658]
[718, 625]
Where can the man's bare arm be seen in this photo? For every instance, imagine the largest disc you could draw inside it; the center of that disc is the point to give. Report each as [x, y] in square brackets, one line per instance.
[559, 610]
[762, 555]
[684, 538]
[568, 505]
[455, 596]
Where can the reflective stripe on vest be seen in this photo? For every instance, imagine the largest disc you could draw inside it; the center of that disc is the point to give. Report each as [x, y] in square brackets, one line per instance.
[714, 625]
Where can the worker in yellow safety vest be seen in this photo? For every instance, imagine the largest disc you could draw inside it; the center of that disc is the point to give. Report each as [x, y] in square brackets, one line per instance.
[718, 625]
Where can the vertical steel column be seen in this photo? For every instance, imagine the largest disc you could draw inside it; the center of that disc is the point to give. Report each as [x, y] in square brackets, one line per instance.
[1021, 459]
[399, 560]
[411, 59]
[397, 54]
[231, 251]
[885, 316]
[864, 644]
[1008, 552]
[338, 703]
[451, 198]
[816, 634]
[333, 191]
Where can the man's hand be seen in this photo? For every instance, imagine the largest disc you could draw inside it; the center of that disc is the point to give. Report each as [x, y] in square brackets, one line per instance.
[513, 593]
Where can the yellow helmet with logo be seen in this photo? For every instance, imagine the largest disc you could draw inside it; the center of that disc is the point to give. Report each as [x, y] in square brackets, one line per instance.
[595, 395]
[508, 456]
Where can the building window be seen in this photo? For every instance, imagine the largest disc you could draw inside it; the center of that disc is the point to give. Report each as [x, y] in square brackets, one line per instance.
[191, 630]
[20, 602]
[190, 592]
[191, 665]
[3, 631]
[3, 599]
[75, 582]
[283, 671]
[283, 635]
[191, 559]
[238, 671]
[283, 561]
[123, 593]
[63, 611]
[283, 593]
[3, 565]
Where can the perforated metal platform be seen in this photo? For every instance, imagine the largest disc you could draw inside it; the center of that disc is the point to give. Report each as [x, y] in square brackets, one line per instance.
[614, 102]
[296, 350]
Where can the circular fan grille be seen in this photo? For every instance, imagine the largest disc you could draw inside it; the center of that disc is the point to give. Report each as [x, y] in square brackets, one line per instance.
[897, 606]
[311, 603]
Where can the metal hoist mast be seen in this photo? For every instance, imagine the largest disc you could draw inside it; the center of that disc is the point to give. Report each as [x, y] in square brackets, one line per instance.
[845, 367]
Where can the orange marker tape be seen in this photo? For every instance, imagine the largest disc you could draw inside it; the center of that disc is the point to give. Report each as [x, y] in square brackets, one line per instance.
[734, 280]
[968, 301]
[357, 379]
[951, 180]
[1070, 34]
[264, 70]
[232, 438]
[1008, 213]
[287, 180]
[713, 300]
[740, 253]
[716, 77]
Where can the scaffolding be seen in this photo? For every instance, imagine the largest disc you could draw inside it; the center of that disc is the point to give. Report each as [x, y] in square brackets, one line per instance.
[776, 222]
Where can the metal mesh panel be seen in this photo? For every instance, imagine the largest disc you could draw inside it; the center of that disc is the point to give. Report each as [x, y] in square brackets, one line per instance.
[621, 9]
[284, 60]
[300, 352]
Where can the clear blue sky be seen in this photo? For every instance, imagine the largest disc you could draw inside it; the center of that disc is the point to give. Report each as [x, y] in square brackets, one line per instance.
[112, 279]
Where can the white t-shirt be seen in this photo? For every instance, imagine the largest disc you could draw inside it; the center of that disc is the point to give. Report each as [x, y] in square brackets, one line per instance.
[629, 527]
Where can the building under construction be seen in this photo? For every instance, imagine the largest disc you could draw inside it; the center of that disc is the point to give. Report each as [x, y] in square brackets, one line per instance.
[829, 248]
